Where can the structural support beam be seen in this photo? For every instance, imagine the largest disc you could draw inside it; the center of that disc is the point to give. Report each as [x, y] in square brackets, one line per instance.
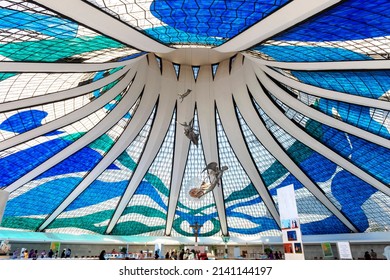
[163, 118]
[286, 124]
[96, 19]
[291, 14]
[312, 113]
[53, 67]
[231, 127]
[129, 134]
[252, 119]
[73, 116]
[185, 112]
[61, 95]
[205, 96]
[113, 117]
[326, 93]
[373, 64]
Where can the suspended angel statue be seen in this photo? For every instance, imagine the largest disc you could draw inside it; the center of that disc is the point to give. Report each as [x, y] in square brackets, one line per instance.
[184, 95]
[190, 132]
[215, 174]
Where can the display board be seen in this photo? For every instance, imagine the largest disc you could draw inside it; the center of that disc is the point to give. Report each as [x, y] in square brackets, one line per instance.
[344, 250]
[327, 250]
[291, 231]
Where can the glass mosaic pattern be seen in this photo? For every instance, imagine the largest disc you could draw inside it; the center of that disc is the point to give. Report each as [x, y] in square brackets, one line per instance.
[351, 30]
[210, 22]
[32, 33]
[314, 217]
[146, 211]
[245, 210]
[190, 210]
[92, 210]
[368, 156]
[331, 178]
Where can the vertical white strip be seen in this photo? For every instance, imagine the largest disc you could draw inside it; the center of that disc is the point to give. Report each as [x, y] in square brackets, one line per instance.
[291, 229]
[3, 201]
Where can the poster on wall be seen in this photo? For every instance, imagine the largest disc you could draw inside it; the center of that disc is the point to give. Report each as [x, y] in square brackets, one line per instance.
[327, 250]
[289, 221]
[55, 246]
[344, 250]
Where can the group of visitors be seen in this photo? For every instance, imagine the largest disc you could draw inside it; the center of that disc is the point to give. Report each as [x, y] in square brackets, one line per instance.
[33, 254]
[370, 255]
[277, 255]
[186, 255]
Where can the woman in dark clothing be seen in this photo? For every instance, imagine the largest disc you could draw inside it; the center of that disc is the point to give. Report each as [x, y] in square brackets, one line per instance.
[102, 254]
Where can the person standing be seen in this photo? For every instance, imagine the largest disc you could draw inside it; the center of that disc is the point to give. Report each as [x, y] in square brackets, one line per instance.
[373, 255]
[15, 254]
[367, 256]
[102, 255]
[156, 255]
[68, 253]
[181, 255]
[25, 254]
[50, 254]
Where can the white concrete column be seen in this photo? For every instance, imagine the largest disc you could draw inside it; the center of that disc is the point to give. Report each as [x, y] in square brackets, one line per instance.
[3, 201]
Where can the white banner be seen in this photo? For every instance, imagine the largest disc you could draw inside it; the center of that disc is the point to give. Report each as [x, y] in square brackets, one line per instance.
[291, 231]
[344, 251]
[3, 201]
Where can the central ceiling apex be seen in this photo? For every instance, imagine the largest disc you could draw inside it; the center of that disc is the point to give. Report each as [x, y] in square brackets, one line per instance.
[195, 56]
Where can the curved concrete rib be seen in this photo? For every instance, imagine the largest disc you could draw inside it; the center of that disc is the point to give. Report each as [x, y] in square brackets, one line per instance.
[286, 124]
[113, 117]
[291, 14]
[60, 95]
[73, 116]
[166, 105]
[374, 64]
[126, 138]
[185, 112]
[231, 127]
[205, 96]
[326, 93]
[250, 115]
[316, 115]
[98, 20]
[54, 67]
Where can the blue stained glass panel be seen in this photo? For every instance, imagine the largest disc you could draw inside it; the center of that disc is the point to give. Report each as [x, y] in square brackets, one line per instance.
[351, 20]
[54, 191]
[207, 21]
[36, 155]
[315, 218]
[246, 212]
[45, 24]
[309, 53]
[373, 84]
[356, 115]
[370, 157]
[345, 190]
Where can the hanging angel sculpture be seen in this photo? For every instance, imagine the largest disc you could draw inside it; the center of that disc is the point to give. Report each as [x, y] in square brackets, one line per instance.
[215, 174]
[190, 132]
[184, 95]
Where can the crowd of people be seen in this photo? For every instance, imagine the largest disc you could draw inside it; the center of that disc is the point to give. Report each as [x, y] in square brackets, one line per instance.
[370, 255]
[186, 255]
[277, 255]
[34, 254]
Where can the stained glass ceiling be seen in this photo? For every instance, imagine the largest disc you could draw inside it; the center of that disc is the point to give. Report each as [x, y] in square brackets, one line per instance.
[95, 95]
